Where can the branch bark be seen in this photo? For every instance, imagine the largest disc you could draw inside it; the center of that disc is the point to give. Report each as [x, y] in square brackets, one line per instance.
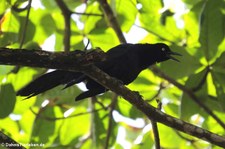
[77, 63]
[60, 60]
[7, 142]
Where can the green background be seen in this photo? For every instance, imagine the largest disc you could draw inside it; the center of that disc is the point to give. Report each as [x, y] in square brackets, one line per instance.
[55, 120]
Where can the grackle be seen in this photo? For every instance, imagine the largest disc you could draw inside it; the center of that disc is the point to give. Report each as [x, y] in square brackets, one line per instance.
[123, 62]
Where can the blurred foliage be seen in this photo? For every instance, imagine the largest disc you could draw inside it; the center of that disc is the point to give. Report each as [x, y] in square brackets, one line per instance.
[194, 28]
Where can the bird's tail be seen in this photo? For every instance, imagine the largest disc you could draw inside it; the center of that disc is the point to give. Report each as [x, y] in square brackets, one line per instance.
[49, 81]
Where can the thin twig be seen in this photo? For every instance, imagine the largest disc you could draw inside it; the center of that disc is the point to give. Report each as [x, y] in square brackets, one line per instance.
[87, 14]
[155, 128]
[67, 33]
[189, 93]
[153, 33]
[83, 140]
[61, 118]
[202, 81]
[23, 36]
[110, 122]
[161, 87]
[92, 127]
[112, 20]
[185, 138]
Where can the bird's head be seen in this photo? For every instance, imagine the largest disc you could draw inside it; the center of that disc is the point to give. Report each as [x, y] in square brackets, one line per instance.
[164, 53]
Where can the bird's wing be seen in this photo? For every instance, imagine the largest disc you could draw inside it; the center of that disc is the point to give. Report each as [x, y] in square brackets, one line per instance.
[119, 51]
[113, 56]
[121, 63]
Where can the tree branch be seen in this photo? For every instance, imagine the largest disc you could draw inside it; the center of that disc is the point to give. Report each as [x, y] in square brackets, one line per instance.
[7, 142]
[87, 14]
[112, 20]
[23, 36]
[39, 58]
[110, 121]
[66, 14]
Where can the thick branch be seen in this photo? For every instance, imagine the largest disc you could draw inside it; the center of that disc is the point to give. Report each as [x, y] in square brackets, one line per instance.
[66, 62]
[61, 60]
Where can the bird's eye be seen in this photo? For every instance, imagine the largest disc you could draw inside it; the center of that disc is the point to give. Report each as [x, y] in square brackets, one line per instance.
[163, 49]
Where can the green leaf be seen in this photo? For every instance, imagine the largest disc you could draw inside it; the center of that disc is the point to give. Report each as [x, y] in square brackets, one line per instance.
[72, 129]
[218, 73]
[45, 130]
[5, 69]
[71, 4]
[8, 38]
[147, 142]
[169, 141]
[20, 79]
[127, 110]
[146, 84]
[126, 12]
[192, 28]
[7, 99]
[98, 121]
[9, 29]
[27, 116]
[201, 94]
[150, 20]
[4, 6]
[212, 27]
[188, 64]
[48, 23]
[27, 33]
[191, 2]
[219, 65]
[186, 102]
[49, 5]
[66, 96]
[76, 39]
[211, 124]
[44, 24]
[90, 21]
[100, 38]
[10, 126]
[172, 109]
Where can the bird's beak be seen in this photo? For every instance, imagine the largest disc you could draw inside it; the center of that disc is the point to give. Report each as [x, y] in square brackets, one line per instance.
[173, 53]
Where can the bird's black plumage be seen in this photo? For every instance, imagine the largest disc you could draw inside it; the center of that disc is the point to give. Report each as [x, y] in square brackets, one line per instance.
[123, 62]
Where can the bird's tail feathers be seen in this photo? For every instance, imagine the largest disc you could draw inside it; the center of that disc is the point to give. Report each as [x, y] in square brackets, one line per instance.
[49, 81]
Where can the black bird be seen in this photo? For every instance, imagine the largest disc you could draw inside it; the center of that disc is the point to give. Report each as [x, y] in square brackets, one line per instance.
[123, 62]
